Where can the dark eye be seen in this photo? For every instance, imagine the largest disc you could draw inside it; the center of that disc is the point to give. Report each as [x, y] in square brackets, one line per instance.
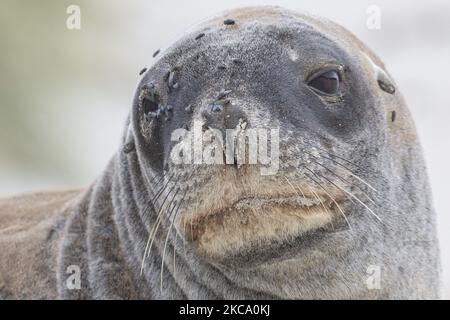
[326, 83]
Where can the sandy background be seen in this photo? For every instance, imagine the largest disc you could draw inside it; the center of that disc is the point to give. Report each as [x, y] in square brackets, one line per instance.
[65, 94]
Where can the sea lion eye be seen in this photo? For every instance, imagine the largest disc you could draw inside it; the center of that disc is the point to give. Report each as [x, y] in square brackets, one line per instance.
[326, 83]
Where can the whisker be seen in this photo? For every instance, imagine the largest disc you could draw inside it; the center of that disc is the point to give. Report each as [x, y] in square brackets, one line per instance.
[345, 167]
[363, 181]
[151, 181]
[167, 237]
[174, 255]
[351, 195]
[289, 182]
[154, 229]
[308, 141]
[162, 189]
[160, 214]
[344, 180]
[323, 205]
[170, 229]
[184, 230]
[159, 180]
[301, 191]
[332, 199]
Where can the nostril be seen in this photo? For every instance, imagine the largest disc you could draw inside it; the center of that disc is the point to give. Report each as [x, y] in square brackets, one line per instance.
[215, 107]
[219, 104]
[149, 106]
[149, 99]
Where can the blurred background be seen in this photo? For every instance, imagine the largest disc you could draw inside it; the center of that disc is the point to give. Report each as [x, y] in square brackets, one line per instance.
[65, 94]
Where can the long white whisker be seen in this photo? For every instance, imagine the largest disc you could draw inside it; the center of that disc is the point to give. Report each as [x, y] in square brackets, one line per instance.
[167, 238]
[334, 201]
[154, 229]
[350, 194]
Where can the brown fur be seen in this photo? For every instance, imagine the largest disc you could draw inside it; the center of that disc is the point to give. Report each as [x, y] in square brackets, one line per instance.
[30, 228]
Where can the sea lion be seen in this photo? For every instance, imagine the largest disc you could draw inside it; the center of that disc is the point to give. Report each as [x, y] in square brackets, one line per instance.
[346, 213]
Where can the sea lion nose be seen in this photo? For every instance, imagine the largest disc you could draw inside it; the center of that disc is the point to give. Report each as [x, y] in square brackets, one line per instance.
[223, 112]
[224, 115]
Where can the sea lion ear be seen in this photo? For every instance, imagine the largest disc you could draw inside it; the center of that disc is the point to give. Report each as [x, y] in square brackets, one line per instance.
[384, 81]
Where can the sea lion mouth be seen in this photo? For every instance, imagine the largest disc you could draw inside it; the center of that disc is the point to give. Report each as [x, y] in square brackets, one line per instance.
[258, 221]
[294, 201]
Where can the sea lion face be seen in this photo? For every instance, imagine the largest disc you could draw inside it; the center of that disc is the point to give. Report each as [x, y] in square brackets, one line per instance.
[311, 92]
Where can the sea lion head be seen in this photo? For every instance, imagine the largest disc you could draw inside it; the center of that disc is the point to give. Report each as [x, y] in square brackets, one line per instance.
[334, 144]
